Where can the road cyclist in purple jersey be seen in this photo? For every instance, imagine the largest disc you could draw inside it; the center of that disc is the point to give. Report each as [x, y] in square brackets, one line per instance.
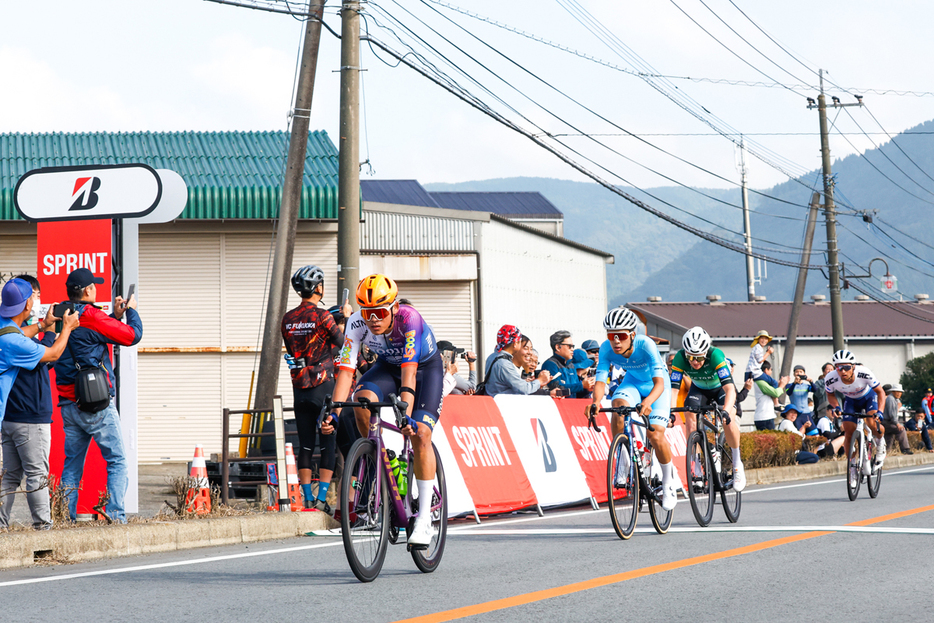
[408, 364]
[646, 382]
[862, 392]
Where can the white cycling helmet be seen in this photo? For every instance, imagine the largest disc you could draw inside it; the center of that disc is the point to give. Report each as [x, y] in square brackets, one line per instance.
[696, 341]
[620, 319]
[843, 356]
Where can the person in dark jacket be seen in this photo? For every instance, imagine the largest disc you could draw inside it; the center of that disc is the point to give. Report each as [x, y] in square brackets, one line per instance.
[87, 348]
[26, 434]
[561, 361]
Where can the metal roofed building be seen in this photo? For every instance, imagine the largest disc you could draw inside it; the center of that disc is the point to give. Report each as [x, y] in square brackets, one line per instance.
[884, 336]
[528, 208]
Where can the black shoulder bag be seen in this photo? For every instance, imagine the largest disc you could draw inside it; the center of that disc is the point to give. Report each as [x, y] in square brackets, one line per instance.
[92, 392]
[481, 388]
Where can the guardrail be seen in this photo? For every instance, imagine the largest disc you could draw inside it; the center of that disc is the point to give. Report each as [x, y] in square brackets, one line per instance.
[226, 459]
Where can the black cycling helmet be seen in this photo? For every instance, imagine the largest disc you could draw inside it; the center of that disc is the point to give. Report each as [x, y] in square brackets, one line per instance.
[306, 279]
[336, 313]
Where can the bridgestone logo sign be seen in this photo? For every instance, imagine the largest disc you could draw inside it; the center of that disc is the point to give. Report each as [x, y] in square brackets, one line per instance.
[88, 192]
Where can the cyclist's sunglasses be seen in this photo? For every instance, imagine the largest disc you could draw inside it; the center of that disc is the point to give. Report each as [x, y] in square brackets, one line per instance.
[375, 313]
[618, 337]
[696, 357]
[844, 367]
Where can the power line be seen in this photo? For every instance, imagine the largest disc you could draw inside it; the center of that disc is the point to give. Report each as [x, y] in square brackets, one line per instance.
[795, 250]
[891, 138]
[885, 254]
[403, 59]
[906, 234]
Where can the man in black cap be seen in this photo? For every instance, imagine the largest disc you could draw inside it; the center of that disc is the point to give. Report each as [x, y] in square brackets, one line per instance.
[88, 349]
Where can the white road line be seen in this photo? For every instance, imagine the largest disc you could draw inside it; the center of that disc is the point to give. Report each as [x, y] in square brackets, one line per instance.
[572, 531]
[164, 565]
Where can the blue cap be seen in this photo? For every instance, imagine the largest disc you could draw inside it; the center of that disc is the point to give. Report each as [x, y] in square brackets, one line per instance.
[791, 407]
[581, 361]
[590, 345]
[14, 297]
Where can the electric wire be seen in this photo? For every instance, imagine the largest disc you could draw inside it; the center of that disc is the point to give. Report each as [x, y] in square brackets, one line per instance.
[906, 234]
[892, 138]
[403, 59]
[884, 253]
[795, 250]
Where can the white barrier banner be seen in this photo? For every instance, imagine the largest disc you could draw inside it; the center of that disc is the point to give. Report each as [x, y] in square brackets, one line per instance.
[544, 448]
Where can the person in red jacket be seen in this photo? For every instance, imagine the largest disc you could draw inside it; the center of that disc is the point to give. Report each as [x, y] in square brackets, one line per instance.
[88, 347]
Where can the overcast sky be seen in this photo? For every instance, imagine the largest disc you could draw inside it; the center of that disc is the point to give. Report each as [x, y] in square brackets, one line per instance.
[173, 65]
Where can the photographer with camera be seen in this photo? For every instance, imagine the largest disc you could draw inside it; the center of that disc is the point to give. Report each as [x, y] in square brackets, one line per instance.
[85, 379]
[309, 333]
[453, 382]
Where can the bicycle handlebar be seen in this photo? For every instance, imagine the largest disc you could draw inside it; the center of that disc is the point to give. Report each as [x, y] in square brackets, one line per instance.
[628, 411]
[398, 406]
[859, 415]
[705, 409]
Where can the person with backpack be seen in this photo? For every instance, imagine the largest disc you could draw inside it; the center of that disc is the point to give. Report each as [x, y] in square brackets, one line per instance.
[88, 410]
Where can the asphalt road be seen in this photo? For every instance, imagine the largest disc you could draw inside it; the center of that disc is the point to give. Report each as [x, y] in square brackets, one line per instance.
[799, 552]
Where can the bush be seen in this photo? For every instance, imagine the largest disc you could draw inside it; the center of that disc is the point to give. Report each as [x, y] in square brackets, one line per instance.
[917, 377]
[768, 448]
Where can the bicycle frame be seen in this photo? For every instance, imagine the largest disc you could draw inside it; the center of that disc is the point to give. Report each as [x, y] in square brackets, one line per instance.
[703, 426]
[638, 453]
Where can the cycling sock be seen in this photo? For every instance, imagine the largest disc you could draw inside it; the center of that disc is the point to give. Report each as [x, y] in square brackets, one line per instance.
[306, 491]
[323, 490]
[666, 472]
[736, 459]
[425, 491]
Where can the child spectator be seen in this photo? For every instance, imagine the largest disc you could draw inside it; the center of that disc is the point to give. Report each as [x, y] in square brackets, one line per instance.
[758, 355]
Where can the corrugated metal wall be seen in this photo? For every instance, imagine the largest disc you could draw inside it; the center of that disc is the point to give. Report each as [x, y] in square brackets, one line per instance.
[408, 232]
[17, 256]
[445, 305]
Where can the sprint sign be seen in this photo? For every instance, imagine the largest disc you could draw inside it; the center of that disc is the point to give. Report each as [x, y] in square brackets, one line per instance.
[64, 246]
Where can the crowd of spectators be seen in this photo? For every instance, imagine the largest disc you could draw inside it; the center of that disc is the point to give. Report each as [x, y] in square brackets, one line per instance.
[80, 353]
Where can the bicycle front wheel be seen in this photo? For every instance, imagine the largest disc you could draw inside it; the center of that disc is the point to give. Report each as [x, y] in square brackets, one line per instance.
[854, 474]
[622, 487]
[700, 481]
[874, 480]
[731, 498]
[661, 519]
[364, 511]
[427, 560]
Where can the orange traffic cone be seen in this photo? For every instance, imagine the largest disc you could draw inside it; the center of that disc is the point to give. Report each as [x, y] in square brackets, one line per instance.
[199, 502]
[294, 489]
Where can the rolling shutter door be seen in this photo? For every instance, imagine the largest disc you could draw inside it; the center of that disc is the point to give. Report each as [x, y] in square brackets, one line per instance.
[447, 306]
[17, 256]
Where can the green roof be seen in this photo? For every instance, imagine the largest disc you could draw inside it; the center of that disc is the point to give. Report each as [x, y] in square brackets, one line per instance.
[230, 175]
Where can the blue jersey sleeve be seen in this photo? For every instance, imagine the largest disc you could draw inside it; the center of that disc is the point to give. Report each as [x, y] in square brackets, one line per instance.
[603, 365]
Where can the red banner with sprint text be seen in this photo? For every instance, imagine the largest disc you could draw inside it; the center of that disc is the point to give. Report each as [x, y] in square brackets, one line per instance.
[486, 455]
[592, 448]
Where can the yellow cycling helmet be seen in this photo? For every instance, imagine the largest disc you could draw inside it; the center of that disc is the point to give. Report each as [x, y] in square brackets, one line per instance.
[376, 291]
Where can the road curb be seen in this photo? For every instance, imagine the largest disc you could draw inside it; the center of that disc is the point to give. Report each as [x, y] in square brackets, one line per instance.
[23, 549]
[822, 469]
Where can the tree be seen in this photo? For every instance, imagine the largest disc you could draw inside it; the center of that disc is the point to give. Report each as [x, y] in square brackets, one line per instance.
[918, 376]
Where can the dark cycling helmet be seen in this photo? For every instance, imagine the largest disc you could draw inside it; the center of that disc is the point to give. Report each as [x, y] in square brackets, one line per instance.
[696, 341]
[843, 356]
[336, 313]
[376, 291]
[620, 319]
[306, 279]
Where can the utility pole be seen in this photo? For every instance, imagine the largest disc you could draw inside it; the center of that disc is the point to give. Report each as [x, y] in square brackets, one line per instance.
[792, 338]
[750, 269]
[348, 185]
[836, 304]
[269, 359]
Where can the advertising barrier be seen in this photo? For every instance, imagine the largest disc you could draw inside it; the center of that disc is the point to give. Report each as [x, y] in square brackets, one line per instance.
[512, 452]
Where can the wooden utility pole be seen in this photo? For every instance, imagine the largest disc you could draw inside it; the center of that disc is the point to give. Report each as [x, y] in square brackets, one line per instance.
[836, 304]
[747, 230]
[348, 185]
[269, 359]
[789, 354]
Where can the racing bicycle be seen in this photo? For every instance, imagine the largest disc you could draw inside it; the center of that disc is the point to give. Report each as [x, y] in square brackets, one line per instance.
[372, 509]
[867, 451]
[709, 464]
[629, 475]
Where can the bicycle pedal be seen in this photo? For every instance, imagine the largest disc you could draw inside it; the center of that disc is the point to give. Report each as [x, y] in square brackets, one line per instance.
[418, 548]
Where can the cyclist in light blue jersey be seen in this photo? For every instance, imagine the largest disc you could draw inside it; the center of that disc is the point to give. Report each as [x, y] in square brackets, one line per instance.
[645, 382]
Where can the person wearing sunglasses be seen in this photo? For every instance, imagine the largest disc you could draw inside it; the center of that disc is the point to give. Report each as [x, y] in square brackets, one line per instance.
[862, 392]
[645, 382]
[711, 382]
[408, 363]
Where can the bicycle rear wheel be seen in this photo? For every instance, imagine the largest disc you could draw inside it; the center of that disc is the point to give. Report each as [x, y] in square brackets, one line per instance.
[854, 474]
[874, 481]
[364, 511]
[622, 487]
[661, 519]
[427, 560]
[700, 481]
[731, 498]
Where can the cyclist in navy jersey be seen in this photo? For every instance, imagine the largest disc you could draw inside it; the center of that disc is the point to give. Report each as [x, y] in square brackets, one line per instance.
[408, 363]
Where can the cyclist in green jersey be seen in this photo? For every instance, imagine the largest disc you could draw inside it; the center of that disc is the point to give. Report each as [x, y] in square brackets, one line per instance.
[711, 381]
